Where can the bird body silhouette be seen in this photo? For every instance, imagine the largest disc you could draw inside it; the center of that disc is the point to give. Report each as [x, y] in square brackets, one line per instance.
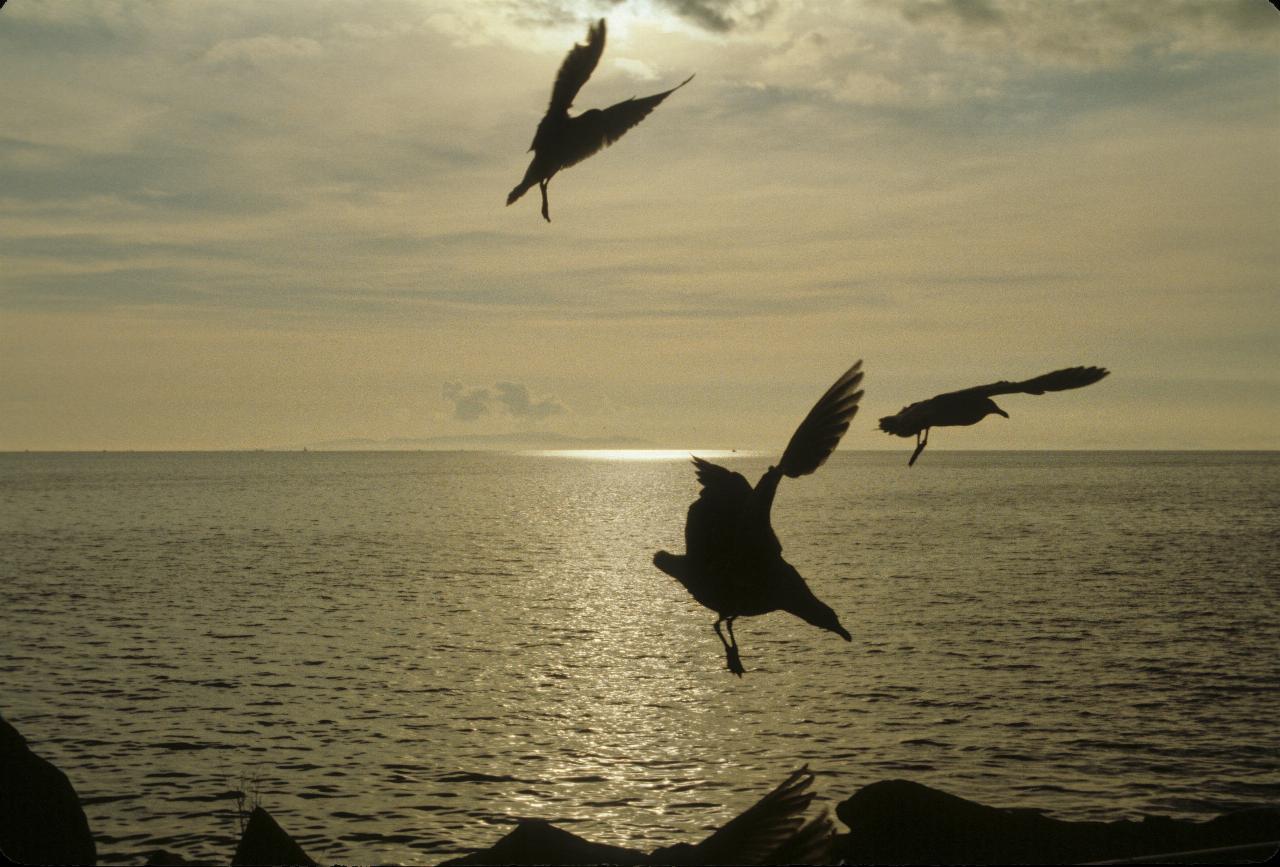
[772, 831]
[562, 141]
[733, 560]
[971, 405]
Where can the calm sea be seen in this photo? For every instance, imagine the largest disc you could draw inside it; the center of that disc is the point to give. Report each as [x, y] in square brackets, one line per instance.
[399, 653]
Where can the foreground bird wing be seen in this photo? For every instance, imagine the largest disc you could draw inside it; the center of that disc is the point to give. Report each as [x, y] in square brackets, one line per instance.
[1058, 380]
[577, 68]
[810, 845]
[599, 129]
[820, 432]
[757, 833]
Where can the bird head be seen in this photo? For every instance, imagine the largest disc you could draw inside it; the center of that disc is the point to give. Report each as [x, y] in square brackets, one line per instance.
[992, 409]
[821, 616]
[803, 604]
[795, 597]
[834, 626]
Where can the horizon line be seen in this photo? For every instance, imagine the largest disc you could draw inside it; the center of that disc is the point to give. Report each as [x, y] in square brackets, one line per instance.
[718, 451]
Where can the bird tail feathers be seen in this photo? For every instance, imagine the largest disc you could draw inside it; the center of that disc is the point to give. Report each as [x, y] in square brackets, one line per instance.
[894, 424]
[672, 564]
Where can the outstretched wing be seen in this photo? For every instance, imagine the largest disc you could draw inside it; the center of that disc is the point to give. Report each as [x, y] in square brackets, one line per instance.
[713, 518]
[756, 833]
[820, 432]
[1058, 380]
[576, 69]
[599, 128]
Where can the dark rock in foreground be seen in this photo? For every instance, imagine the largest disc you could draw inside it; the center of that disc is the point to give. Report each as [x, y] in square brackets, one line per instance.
[265, 842]
[41, 820]
[901, 822]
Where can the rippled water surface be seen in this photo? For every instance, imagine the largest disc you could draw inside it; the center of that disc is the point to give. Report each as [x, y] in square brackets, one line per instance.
[399, 653]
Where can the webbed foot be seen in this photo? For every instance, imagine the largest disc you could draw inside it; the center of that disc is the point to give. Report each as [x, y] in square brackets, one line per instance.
[733, 661]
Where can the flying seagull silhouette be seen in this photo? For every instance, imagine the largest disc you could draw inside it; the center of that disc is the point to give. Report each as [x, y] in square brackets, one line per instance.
[971, 405]
[562, 141]
[733, 561]
[772, 831]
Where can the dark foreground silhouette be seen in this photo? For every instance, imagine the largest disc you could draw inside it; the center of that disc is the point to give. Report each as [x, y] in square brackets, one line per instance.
[265, 842]
[733, 561]
[41, 820]
[773, 831]
[891, 822]
[971, 405]
[562, 141]
[901, 822]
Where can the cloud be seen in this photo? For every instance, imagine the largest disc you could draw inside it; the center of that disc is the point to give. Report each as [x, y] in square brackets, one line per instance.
[473, 402]
[476, 22]
[637, 69]
[260, 50]
[514, 397]
[722, 16]
[970, 13]
[469, 404]
[1092, 33]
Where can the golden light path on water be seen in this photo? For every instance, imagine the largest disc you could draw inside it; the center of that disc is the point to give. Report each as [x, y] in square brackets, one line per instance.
[641, 454]
[615, 702]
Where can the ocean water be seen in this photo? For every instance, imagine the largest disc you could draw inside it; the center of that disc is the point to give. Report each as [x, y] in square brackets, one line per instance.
[398, 654]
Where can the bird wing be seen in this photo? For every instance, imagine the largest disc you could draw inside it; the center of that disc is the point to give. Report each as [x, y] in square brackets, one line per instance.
[577, 68]
[599, 129]
[810, 845]
[817, 436]
[713, 518]
[756, 833]
[1058, 380]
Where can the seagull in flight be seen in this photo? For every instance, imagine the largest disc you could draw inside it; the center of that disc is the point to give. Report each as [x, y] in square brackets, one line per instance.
[971, 405]
[562, 141]
[733, 561]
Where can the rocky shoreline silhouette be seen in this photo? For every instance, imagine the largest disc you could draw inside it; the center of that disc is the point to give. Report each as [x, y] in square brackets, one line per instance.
[890, 822]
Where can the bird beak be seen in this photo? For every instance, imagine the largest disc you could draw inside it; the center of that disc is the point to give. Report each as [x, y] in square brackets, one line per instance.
[842, 632]
[1002, 412]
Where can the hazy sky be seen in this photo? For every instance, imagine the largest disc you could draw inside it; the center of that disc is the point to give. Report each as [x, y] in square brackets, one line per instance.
[244, 224]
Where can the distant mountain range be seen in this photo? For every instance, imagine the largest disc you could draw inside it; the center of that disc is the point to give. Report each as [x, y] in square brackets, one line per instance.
[480, 442]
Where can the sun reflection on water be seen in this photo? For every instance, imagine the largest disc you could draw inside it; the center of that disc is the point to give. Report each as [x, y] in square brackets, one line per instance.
[640, 454]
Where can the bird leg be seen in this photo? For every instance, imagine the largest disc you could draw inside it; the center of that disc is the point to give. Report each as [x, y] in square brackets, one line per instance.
[546, 215]
[920, 444]
[732, 660]
[719, 634]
